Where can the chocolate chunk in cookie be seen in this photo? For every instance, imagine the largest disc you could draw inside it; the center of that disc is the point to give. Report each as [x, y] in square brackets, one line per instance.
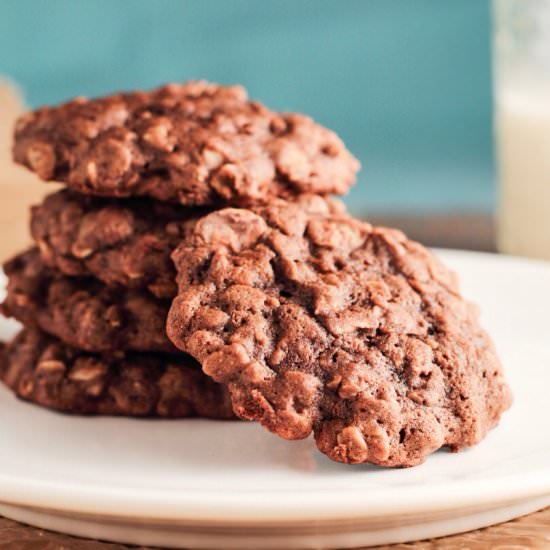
[42, 370]
[122, 243]
[319, 322]
[82, 312]
[194, 143]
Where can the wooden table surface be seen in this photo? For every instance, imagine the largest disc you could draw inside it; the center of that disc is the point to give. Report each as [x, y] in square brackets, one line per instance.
[19, 189]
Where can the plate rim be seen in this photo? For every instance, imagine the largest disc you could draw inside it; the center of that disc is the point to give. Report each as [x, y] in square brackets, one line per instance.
[210, 506]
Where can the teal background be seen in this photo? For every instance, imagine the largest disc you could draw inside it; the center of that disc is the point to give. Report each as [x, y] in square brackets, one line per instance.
[407, 84]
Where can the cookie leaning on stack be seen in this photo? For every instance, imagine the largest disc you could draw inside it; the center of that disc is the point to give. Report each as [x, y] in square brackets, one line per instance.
[312, 320]
[318, 322]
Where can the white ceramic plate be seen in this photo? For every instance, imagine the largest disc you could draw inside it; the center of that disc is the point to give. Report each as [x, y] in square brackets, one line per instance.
[205, 484]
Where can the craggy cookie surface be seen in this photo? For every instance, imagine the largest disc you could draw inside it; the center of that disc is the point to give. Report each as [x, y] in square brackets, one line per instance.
[82, 312]
[194, 143]
[120, 243]
[42, 370]
[319, 322]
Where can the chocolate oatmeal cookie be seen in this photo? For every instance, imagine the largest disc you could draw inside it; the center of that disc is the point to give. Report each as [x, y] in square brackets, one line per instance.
[42, 370]
[195, 143]
[82, 312]
[126, 243]
[319, 322]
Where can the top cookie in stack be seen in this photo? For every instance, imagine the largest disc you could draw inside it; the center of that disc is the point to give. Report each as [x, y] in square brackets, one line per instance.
[197, 144]
[314, 321]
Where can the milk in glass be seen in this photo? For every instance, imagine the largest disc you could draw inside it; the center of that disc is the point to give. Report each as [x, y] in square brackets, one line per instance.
[522, 125]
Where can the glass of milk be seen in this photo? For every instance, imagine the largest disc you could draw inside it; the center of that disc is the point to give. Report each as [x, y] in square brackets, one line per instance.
[522, 124]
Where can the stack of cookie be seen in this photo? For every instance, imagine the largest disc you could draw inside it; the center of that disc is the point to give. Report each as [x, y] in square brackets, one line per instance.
[196, 264]
[94, 293]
